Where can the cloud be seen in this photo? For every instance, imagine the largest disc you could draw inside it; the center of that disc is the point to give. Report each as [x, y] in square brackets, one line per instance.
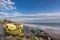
[38, 17]
[17, 14]
[7, 5]
[3, 15]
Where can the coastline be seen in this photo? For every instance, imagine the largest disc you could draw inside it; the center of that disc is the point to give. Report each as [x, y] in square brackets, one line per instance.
[54, 32]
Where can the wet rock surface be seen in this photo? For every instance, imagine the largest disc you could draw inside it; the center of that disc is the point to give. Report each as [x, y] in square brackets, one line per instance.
[29, 34]
[2, 32]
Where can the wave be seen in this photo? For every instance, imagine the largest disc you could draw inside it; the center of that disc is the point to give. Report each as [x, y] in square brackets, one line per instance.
[52, 31]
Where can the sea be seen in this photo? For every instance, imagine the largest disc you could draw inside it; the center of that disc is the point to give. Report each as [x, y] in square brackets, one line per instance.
[53, 29]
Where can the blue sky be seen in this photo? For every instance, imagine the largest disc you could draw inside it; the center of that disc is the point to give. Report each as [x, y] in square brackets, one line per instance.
[37, 6]
[30, 10]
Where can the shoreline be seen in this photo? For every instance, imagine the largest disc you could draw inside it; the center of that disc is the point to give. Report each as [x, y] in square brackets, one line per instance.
[54, 32]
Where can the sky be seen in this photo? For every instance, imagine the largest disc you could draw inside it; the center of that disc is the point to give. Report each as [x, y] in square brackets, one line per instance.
[30, 10]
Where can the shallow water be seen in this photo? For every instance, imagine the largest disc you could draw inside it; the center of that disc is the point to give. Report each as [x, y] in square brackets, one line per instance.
[49, 29]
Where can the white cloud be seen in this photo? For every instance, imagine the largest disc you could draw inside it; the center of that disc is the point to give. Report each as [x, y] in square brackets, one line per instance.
[7, 5]
[3, 14]
[37, 15]
[15, 14]
[47, 15]
[42, 17]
